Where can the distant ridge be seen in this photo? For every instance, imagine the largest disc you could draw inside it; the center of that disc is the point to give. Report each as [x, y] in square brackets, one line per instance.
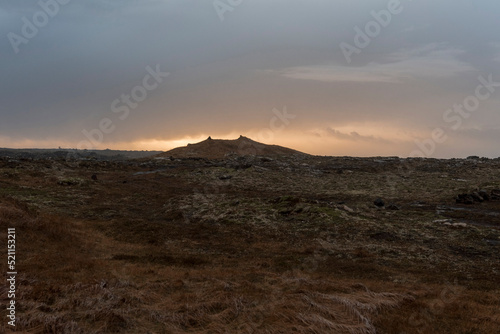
[220, 148]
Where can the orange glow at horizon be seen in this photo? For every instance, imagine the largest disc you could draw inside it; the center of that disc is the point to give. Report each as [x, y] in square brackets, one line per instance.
[353, 140]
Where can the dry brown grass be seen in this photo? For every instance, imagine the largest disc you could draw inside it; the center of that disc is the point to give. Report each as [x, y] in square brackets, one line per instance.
[65, 288]
[69, 285]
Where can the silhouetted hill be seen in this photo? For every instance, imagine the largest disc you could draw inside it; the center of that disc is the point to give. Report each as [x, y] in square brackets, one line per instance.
[219, 148]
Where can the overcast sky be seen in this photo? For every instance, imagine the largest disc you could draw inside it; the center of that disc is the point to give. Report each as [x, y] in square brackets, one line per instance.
[297, 73]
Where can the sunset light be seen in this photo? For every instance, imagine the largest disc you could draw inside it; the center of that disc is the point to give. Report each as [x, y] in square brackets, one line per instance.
[250, 166]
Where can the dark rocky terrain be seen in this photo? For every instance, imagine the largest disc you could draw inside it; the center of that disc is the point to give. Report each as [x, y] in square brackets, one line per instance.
[232, 242]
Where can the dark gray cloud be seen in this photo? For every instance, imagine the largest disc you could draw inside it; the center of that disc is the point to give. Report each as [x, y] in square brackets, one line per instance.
[227, 76]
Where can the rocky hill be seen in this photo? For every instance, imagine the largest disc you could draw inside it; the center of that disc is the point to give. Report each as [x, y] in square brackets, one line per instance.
[220, 148]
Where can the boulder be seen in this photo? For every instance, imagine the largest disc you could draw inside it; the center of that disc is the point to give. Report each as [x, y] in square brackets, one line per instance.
[476, 197]
[484, 194]
[465, 199]
[495, 194]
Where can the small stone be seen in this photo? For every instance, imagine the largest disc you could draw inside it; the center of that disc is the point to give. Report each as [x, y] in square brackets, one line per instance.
[299, 209]
[346, 208]
[442, 221]
[379, 202]
[285, 211]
